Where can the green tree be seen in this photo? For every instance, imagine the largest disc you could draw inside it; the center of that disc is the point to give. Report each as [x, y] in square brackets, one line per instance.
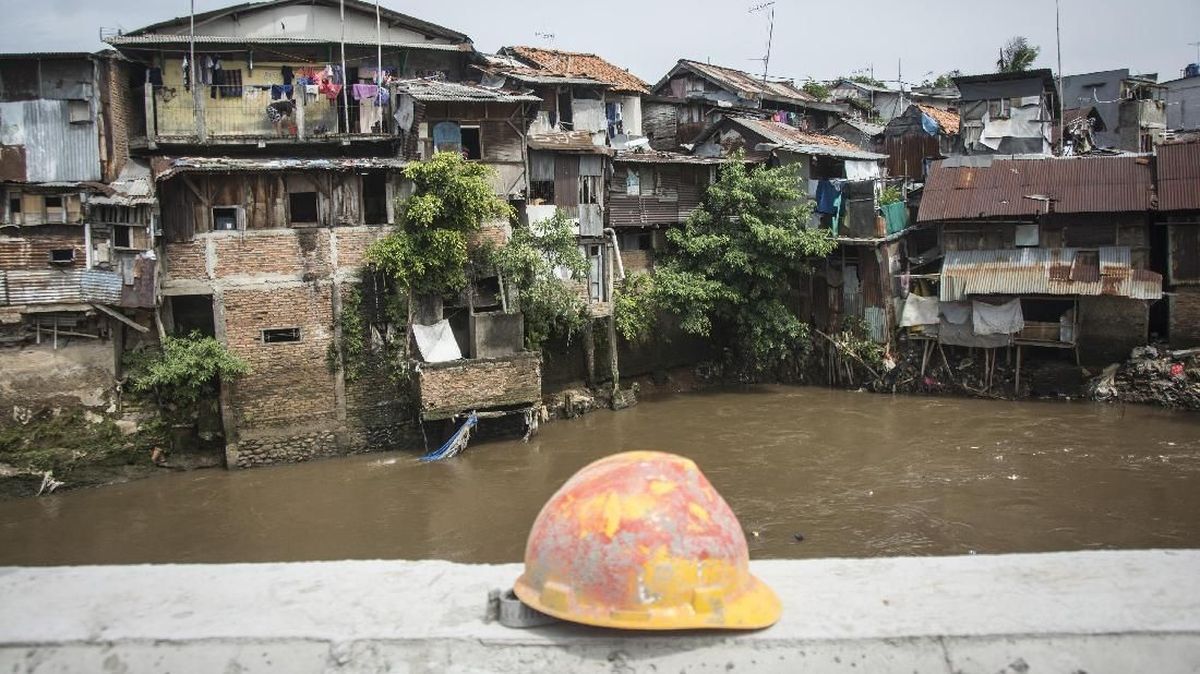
[943, 81]
[816, 89]
[428, 251]
[1017, 56]
[736, 261]
[530, 261]
[865, 79]
[184, 370]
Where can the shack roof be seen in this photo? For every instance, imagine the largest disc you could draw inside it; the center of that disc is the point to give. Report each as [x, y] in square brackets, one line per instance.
[1179, 176]
[791, 139]
[574, 142]
[168, 167]
[949, 121]
[151, 40]
[431, 90]
[133, 187]
[1020, 187]
[553, 64]
[861, 125]
[1047, 271]
[661, 157]
[389, 16]
[746, 85]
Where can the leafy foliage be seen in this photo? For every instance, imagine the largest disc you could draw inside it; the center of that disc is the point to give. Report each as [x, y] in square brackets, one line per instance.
[734, 261]
[1017, 56]
[816, 89]
[428, 252]
[943, 81]
[634, 307]
[865, 79]
[529, 262]
[184, 370]
[891, 195]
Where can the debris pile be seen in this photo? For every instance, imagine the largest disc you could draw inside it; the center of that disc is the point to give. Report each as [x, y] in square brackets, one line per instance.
[1154, 376]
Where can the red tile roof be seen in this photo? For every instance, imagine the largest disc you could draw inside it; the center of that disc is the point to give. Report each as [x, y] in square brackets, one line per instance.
[947, 120]
[573, 64]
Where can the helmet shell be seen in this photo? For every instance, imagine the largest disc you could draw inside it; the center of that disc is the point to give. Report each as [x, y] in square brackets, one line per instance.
[641, 540]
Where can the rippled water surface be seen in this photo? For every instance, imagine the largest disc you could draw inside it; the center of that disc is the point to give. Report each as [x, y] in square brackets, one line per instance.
[856, 474]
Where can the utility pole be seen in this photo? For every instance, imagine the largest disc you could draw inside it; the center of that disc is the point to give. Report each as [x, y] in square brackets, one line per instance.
[770, 34]
[345, 78]
[1062, 121]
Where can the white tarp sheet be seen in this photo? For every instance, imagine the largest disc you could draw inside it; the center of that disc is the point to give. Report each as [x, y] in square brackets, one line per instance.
[1003, 319]
[436, 342]
[861, 170]
[920, 311]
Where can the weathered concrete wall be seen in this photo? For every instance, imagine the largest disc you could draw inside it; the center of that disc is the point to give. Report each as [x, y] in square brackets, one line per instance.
[1185, 317]
[1136, 611]
[1110, 327]
[449, 388]
[81, 372]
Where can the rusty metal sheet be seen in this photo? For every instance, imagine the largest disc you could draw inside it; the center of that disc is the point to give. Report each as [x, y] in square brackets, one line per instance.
[55, 149]
[1047, 271]
[1179, 177]
[1076, 185]
[101, 287]
[3, 288]
[44, 286]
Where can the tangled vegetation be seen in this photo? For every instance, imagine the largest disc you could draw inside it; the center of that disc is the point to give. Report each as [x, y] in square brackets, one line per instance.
[183, 370]
[531, 261]
[736, 261]
[429, 250]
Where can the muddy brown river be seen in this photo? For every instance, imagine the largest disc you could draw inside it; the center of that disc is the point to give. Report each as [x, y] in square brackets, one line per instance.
[857, 475]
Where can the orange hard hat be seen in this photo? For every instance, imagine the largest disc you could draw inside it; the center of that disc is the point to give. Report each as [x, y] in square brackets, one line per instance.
[643, 541]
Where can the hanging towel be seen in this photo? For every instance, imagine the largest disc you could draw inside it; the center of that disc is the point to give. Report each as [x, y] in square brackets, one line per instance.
[827, 196]
[361, 92]
[1004, 319]
[897, 217]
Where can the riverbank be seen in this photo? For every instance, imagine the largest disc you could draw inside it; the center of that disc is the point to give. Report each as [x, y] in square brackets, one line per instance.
[1068, 612]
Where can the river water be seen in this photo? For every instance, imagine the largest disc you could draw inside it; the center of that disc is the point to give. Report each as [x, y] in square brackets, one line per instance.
[857, 475]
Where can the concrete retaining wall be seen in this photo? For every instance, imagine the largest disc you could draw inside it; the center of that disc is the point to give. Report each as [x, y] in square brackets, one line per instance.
[1073, 612]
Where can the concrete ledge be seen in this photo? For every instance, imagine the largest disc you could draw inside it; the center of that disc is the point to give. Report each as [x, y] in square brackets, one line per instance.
[1072, 612]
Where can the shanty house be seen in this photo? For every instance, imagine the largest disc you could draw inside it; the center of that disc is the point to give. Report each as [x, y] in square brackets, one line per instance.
[694, 94]
[1007, 113]
[874, 102]
[1131, 109]
[77, 223]
[1179, 214]
[1069, 238]
[865, 135]
[916, 138]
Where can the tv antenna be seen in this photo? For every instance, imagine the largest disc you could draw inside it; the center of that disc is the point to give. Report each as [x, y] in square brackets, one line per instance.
[548, 37]
[770, 33]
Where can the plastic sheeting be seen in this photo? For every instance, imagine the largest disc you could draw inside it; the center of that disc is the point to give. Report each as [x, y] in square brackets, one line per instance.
[436, 342]
[1003, 319]
[920, 311]
[862, 170]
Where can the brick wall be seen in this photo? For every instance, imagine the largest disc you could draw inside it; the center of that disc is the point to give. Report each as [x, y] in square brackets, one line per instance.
[186, 260]
[480, 384]
[280, 251]
[637, 261]
[1185, 317]
[33, 250]
[288, 383]
[352, 243]
[1110, 327]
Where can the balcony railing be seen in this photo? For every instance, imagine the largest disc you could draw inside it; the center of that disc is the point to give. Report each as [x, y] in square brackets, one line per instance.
[257, 113]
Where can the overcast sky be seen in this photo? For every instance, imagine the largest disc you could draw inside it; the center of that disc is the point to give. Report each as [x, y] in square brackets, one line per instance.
[812, 39]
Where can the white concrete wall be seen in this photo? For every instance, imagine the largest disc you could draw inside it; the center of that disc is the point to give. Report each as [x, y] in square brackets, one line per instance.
[1090, 611]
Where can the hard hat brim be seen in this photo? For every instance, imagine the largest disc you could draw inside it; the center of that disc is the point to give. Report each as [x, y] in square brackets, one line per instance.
[755, 608]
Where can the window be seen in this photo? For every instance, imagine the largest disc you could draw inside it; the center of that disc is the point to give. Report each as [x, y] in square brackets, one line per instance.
[589, 189]
[650, 182]
[62, 256]
[79, 112]
[541, 192]
[633, 183]
[472, 143]
[14, 205]
[303, 207]
[637, 241]
[225, 219]
[447, 137]
[280, 335]
[374, 198]
[120, 237]
[1000, 108]
[1028, 236]
[54, 203]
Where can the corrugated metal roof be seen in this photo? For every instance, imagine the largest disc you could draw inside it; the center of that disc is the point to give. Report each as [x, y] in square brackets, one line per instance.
[44, 286]
[166, 167]
[747, 85]
[440, 90]
[791, 139]
[102, 287]
[1075, 184]
[659, 157]
[1179, 177]
[168, 38]
[1046, 271]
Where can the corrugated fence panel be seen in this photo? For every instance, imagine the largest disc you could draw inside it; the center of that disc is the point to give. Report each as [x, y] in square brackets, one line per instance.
[103, 287]
[45, 286]
[56, 149]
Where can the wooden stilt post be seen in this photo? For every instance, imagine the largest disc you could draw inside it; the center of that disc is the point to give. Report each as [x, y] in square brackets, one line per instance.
[1017, 392]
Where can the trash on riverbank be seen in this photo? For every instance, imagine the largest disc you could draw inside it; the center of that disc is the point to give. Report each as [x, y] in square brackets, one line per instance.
[1152, 375]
